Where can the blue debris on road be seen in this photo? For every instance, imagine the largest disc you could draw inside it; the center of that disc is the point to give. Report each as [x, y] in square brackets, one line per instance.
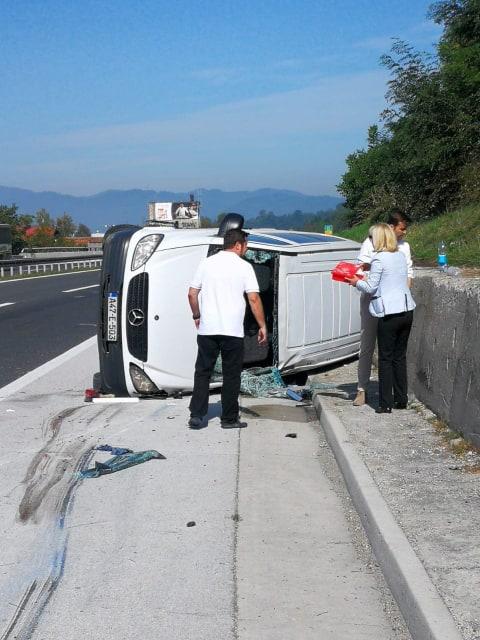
[120, 462]
[115, 451]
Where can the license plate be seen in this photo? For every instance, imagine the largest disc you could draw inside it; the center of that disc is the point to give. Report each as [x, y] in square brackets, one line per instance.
[112, 322]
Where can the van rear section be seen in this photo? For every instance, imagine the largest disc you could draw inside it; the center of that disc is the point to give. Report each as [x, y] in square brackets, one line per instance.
[318, 320]
[109, 330]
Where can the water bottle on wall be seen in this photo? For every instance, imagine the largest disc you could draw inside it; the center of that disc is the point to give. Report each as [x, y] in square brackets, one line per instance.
[442, 256]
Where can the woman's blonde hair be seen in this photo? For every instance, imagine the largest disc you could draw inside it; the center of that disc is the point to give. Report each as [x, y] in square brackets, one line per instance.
[383, 237]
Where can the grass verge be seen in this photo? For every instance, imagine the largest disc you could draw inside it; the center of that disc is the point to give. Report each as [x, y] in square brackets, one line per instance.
[460, 230]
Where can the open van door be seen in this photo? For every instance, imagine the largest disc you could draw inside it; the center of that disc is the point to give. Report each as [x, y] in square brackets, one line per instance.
[318, 319]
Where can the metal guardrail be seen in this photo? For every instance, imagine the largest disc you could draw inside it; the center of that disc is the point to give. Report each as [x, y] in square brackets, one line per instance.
[16, 260]
[19, 267]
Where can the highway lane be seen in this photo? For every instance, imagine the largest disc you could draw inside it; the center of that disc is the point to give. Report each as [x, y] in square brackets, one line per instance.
[40, 318]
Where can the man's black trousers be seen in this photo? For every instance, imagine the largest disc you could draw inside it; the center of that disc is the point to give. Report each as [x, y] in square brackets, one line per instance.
[393, 331]
[231, 349]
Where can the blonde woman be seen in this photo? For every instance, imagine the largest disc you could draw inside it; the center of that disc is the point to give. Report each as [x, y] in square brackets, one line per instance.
[392, 303]
[399, 223]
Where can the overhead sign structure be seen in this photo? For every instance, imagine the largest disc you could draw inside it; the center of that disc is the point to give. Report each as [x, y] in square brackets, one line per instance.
[178, 214]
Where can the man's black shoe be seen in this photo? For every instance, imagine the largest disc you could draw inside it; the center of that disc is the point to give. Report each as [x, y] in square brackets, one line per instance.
[194, 422]
[234, 424]
[400, 405]
[383, 410]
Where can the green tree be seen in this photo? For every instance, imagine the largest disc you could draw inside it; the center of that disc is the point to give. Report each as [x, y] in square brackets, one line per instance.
[459, 54]
[83, 231]
[65, 226]
[44, 219]
[426, 156]
[205, 222]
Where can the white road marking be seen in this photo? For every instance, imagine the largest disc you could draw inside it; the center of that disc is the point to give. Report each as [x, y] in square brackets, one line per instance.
[6, 304]
[30, 377]
[114, 400]
[90, 286]
[50, 275]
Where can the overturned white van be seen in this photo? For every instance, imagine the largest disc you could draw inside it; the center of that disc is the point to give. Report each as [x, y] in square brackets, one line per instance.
[146, 336]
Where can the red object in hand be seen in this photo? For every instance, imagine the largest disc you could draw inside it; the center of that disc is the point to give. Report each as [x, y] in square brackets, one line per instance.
[345, 270]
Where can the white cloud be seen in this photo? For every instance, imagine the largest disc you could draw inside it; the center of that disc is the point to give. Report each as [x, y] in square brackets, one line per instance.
[336, 104]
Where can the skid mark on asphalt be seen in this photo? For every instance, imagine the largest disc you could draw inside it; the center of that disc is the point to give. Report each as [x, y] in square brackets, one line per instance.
[51, 481]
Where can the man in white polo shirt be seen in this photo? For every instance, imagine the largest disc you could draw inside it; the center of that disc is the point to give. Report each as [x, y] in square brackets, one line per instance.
[217, 300]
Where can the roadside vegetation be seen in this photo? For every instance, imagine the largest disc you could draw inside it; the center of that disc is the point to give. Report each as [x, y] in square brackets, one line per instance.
[40, 229]
[460, 230]
[423, 157]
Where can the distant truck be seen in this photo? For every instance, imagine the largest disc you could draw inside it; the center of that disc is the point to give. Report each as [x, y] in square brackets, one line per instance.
[5, 242]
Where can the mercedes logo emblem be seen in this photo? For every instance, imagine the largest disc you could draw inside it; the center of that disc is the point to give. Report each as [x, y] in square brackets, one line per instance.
[136, 317]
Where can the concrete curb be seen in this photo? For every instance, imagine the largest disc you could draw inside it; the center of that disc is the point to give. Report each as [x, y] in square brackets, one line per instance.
[424, 611]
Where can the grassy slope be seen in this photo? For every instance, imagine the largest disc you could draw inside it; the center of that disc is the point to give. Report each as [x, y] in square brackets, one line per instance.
[459, 229]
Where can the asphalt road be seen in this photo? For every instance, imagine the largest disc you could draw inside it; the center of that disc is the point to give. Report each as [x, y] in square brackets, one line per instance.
[40, 318]
[235, 535]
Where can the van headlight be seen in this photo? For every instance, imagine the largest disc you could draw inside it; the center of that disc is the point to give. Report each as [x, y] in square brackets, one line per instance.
[144, 249]
[141, 381]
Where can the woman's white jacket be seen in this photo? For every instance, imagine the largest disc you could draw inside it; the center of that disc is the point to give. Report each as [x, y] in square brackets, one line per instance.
[387, 284]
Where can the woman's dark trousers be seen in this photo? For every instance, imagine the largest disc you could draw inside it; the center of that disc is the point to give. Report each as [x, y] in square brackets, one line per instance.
[393, 331]
[231, 349]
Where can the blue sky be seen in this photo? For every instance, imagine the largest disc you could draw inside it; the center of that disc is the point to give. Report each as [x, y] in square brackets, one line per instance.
[181, 95]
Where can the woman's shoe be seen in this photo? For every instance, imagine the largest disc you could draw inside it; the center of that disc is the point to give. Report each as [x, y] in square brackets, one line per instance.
[360, 398]
[383, 410]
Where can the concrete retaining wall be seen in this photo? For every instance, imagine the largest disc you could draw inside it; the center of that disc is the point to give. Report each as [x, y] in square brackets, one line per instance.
[444, 349]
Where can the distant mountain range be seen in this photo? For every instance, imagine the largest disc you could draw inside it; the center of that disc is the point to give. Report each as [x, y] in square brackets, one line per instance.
[115, 207]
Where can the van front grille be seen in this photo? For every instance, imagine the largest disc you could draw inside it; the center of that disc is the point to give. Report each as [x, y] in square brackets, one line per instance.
[137, 317]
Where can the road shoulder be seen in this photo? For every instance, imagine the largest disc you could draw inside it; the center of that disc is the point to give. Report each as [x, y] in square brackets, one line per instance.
[300, 571]
[400, 474]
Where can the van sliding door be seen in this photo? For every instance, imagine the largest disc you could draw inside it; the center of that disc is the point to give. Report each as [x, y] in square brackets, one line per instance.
[318, 319]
